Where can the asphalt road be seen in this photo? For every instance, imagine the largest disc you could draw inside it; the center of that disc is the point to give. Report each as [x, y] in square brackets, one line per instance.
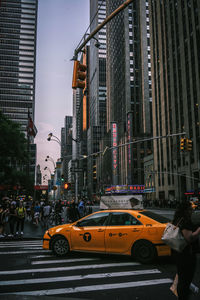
[27, 271]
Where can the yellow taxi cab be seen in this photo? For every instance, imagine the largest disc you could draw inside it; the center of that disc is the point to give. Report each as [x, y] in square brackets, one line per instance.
[125, 231]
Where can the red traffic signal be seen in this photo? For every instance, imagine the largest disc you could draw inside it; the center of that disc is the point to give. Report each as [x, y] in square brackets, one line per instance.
[79, 75]
[67, 185]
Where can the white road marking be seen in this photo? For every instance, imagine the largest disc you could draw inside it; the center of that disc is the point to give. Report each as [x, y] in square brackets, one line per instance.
[23, 246]
[78, 277]
[26, 271]
[90, 288]
[23, 252]
[40, 256]
[43, 262]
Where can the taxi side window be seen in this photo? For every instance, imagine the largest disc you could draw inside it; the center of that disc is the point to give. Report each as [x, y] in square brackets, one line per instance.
[94, 220]
[123, 219]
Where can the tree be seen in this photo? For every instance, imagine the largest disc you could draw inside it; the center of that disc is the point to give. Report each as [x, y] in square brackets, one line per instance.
[13, 152]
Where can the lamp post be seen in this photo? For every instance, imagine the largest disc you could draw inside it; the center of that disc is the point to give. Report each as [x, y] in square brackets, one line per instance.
[46, 168]
[48, 158]
[54, 138]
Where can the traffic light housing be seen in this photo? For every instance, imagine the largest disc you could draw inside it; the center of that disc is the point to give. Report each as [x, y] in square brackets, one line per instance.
[62, 178]
[79, 75]
[67, 185]
[188, 145]
[182, 144]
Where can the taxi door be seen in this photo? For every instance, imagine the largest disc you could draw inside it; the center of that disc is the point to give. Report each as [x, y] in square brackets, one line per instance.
[89, 233]
[121, 232]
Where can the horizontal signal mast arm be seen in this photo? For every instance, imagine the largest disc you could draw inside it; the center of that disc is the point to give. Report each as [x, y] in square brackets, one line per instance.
[112, 15]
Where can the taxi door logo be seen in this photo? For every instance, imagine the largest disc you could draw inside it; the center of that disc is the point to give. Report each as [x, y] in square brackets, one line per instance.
[87, 237]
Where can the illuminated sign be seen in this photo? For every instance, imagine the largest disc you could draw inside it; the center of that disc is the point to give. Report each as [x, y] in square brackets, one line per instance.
[130, 146]
[123, 189]
[114, 152]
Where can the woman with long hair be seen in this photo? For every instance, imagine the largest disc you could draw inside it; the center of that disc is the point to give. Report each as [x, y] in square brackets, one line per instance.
[185, 260]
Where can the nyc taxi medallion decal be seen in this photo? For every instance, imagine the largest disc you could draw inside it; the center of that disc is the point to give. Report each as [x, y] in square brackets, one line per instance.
[87, 237]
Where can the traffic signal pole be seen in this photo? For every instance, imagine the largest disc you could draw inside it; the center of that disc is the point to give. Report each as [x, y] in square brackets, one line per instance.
[111, 16]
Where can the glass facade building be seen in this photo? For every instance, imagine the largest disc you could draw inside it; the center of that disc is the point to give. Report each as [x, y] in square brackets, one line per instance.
[129, 98]
[175, 42]
[18, 24]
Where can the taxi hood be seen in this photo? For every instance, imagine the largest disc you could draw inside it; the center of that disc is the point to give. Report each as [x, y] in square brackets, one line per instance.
[121, 202]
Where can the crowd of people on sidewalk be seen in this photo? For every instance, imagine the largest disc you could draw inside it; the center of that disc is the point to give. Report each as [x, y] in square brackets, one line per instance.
[15, 213]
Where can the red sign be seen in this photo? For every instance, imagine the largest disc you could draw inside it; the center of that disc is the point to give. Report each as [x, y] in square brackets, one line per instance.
[41, 187]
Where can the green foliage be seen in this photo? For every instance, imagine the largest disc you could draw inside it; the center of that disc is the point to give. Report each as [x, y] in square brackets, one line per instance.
[13, 152]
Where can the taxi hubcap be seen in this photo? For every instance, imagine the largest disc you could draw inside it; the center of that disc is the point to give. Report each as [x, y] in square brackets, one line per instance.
[61, 246]
[144, 251]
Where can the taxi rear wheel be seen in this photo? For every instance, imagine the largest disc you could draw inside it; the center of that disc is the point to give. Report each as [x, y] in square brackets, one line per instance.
[60, 246]
[144, 251]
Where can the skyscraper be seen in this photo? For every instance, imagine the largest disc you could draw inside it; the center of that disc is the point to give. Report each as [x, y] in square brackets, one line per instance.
[98, 90]
[18, 23]
[129, 99]
[175, 42]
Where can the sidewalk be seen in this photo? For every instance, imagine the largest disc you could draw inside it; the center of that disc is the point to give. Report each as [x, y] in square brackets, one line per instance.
[31, 231]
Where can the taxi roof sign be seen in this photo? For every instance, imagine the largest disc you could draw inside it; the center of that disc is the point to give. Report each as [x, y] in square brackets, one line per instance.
[121, 202]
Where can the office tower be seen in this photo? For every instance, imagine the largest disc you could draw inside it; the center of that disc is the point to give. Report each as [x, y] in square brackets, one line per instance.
[18, 23]
[175, 42]
[98, 90]
[129, 101]
[66, 146]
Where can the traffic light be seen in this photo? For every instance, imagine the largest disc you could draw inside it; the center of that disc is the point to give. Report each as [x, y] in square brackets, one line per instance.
[62, 178]
[182, 144]
[67, 185]
[79, 75]
[188, 145]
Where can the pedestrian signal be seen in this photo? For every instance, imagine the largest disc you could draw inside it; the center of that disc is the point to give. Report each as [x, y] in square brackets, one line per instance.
[188, 145]
[79, 75]
[182, 144]
[67, 186]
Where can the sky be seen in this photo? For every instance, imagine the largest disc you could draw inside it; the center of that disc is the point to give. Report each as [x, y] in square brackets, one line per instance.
[61, 26]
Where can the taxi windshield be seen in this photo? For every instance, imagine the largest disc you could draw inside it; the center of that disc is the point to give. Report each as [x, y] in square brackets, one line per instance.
[155, 216]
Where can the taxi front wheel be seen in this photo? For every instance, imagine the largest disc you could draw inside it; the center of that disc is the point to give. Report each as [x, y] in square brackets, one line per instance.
[144, 251]
[60, 246]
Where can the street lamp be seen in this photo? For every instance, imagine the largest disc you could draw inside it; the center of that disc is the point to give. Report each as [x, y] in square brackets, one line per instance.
[55, 138]
[48, 158]
[46, 168]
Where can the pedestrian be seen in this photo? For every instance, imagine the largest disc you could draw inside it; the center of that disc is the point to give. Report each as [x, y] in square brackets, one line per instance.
[58, 211]
[37, 211]
[46, 214]
[81, 208]
[186, 260]
[2, 220]
[12, 219]
[20, 214]
[73, 213]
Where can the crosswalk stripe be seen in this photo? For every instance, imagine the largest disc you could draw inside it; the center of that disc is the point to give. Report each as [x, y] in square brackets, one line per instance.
[22, 246]
[40, 256]
[24, 251]
[79, 277]
[10, 245]
[44, 262]
[91, 288]
[26, 271]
